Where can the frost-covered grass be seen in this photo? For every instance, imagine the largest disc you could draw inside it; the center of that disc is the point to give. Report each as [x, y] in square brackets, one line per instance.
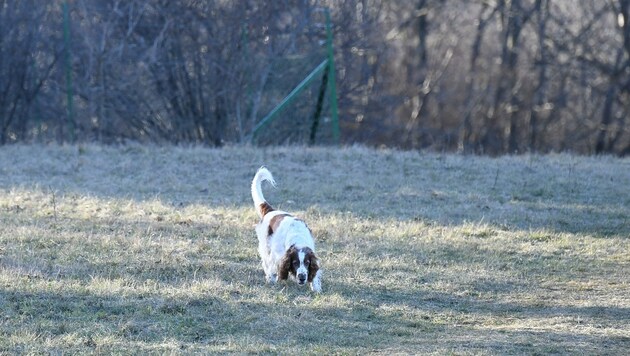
[144, 249]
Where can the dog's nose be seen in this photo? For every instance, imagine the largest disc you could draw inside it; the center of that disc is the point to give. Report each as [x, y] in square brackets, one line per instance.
[302, 278]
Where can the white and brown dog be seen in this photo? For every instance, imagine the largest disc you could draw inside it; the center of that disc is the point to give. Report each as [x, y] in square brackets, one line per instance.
[285, 243]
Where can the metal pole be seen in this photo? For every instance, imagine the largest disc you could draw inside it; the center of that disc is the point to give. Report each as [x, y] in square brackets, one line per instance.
[318, 107]
[289, 98]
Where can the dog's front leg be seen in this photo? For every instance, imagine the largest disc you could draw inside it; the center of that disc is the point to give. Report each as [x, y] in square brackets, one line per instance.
[271, 273]
[272, 277]
[316, 284]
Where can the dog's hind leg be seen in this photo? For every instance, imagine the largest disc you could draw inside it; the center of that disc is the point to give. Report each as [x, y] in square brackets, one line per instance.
[265, 256]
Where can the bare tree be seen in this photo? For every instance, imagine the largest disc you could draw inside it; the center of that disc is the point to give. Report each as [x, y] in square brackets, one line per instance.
[478, 76]
[26, 62]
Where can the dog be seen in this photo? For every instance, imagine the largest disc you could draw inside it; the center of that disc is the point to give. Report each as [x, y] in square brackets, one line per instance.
[285, 243]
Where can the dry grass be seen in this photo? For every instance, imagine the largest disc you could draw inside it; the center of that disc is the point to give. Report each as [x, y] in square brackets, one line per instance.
[144, 249]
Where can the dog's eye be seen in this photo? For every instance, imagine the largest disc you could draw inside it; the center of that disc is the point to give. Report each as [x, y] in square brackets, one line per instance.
[296, 263]
[307, 262]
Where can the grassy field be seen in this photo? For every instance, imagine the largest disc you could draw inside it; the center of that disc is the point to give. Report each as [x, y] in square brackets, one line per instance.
[142, 249]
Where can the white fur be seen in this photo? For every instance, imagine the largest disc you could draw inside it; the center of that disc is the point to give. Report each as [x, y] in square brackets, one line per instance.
[262, 175]
[290, 232]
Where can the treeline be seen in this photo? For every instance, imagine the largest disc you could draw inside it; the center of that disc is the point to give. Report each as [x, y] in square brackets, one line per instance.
[492, 77]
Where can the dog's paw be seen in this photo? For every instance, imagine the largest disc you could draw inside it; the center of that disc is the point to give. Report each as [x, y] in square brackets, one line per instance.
[316, 286]
[272, 278]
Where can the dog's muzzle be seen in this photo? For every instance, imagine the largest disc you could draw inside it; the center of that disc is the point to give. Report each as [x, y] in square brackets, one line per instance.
[301, 278]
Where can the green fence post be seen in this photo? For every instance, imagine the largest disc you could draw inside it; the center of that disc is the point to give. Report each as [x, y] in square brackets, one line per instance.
[318, 107]
[289, 98]
[329, 82]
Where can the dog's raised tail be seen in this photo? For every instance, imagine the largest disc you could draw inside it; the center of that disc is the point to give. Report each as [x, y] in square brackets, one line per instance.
[261, 205]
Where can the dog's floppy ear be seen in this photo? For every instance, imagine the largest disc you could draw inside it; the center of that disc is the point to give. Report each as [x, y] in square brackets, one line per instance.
[285, 265]
[313, 265]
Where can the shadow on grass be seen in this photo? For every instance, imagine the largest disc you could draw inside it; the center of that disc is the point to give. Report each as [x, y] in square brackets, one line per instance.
[457, 318]
[584, 217]
[578, 195]
[209, 321]
[439, 302]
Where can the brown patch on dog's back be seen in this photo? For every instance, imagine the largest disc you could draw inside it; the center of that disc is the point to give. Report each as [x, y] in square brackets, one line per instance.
[265, 208]
[275, 222]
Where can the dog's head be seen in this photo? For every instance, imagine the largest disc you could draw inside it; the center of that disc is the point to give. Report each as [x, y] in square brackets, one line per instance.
[301, 263]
